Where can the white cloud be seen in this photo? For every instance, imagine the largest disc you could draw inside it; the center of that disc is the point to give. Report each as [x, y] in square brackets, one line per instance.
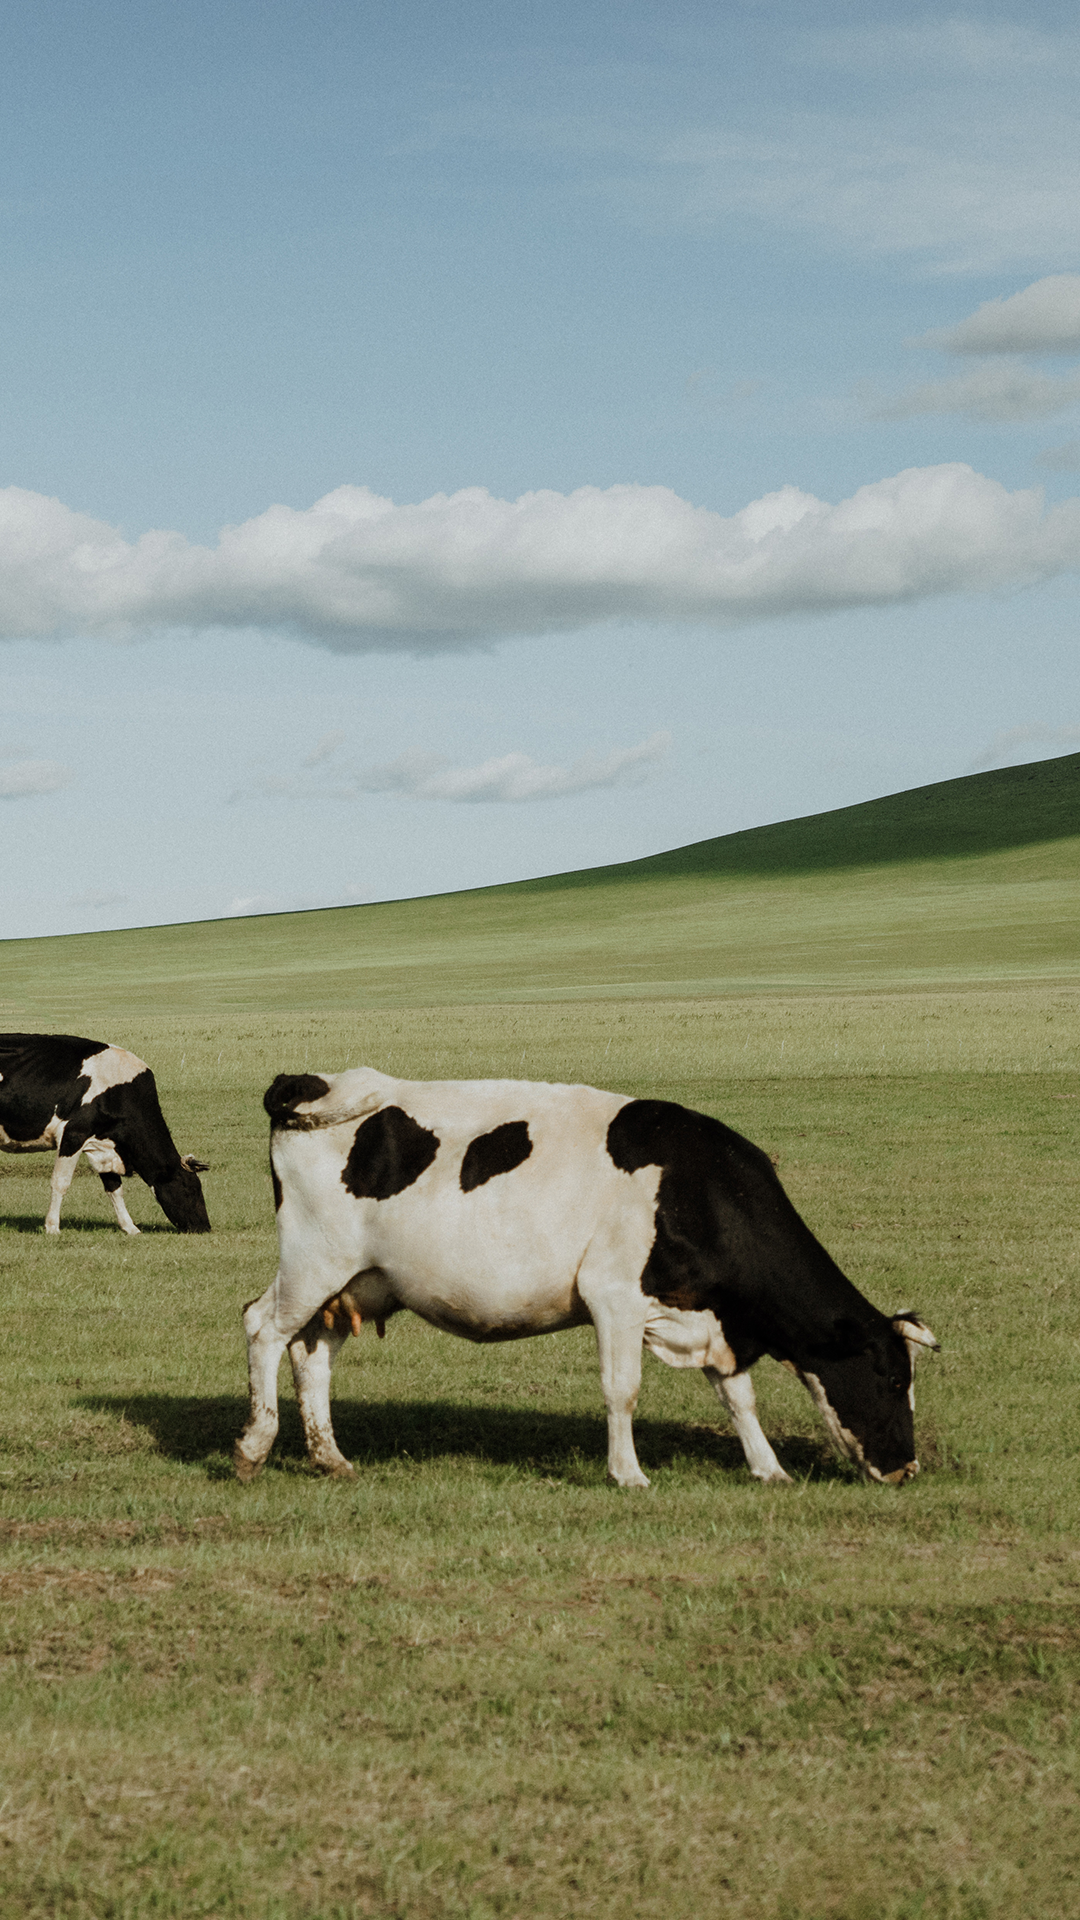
[1042, 318]
[357, 573]
[1024, 738]
[996, 390]
[511, 776]
[21, 778]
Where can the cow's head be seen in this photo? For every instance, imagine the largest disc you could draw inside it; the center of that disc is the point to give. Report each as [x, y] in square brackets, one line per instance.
[868, 1400]
[180, 1196]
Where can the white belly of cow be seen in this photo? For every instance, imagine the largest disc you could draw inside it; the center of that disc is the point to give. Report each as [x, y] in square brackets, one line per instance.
[495, 1285]
[498, 1263]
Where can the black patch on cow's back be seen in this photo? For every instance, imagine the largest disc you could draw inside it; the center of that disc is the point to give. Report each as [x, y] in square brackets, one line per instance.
[388, 1153]
[55, 1056]
[41, 1076]
[729, 1240]
[284, 1094]
[490, 1154]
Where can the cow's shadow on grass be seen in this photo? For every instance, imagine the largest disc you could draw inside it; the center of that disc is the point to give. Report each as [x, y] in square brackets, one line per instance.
[75, 1223]
[567, 1446]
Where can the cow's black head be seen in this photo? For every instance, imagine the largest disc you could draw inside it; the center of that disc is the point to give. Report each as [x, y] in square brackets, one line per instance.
[180, 1196]
[868, 1400]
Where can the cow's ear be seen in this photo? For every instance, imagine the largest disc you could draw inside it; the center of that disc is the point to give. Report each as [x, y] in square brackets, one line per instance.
[193, 1166]
[915, 1331]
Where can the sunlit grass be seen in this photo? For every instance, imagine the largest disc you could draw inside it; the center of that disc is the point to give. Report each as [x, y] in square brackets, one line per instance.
[478, 1681]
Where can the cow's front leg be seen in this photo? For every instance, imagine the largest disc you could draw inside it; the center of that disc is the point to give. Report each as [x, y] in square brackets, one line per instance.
[607, 1283]
[114, 1188]
[618, 1340]
[265, 1348]
[313, 1352]
[736, 1390]
[620, 1378]
[63, 1174]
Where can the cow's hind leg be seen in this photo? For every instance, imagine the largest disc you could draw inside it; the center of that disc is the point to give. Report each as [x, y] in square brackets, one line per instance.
[265, 1348]
[313, 1353]
[736, 1390]
[63, 1174]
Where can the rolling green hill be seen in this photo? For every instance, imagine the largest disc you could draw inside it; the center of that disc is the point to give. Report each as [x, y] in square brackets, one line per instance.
[981, 813]
[968, 880]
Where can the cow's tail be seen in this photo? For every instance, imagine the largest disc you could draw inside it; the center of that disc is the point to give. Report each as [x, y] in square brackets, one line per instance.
[291, 1090]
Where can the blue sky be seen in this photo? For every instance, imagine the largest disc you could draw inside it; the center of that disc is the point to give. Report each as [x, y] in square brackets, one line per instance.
[445, 444]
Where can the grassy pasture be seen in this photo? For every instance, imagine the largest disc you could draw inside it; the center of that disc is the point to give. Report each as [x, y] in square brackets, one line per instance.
[477, 1682]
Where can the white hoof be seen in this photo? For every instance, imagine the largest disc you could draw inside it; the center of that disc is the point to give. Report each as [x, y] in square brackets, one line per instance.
[771, 1478]
[634, 1479]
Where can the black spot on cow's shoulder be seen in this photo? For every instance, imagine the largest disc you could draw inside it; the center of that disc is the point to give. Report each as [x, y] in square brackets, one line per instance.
[658, 1133]
[636, 1136]
[499, 1151]
[286, 1092]
[388, 1153]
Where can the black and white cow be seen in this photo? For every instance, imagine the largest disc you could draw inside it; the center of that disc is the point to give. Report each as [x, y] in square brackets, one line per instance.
[497, 1209]
[83, 1096]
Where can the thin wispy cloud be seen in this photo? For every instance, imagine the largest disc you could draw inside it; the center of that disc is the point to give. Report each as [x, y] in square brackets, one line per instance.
[956, 47]
[999, 389]
[325, 748]
[97, 899]
[1042, 318]
[1023, 739]
[357, 573]
[512, 777]
[871, 188]
[1063, 459]
[242, 903]
[951, 165]
[420, 775]
[23, 779]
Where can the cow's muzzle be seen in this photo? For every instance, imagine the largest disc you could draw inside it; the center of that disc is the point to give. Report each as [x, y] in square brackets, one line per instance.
[897, 1479]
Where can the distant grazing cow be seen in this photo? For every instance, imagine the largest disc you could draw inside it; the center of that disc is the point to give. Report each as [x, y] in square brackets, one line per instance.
[83, 1096]
[498, 1208]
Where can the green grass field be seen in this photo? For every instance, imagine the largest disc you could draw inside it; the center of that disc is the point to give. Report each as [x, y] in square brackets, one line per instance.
[477, 1681]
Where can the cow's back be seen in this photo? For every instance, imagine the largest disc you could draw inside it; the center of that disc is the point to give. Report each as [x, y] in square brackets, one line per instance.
[477, 1199]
